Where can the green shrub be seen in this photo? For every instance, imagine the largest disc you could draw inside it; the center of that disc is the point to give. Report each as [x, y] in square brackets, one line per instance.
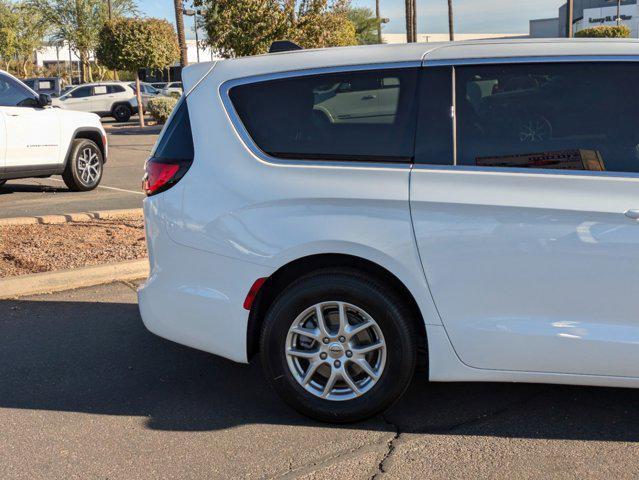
[175, 95]
[160, 108]
[603, 31]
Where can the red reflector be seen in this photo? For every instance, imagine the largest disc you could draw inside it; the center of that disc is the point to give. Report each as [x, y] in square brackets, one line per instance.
[254, 290]
[157, 175]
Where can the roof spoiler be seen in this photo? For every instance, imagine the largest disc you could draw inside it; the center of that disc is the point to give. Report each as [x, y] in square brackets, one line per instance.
[283, 46]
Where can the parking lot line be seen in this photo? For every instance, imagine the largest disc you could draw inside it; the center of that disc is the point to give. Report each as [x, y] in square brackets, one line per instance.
[108, 188]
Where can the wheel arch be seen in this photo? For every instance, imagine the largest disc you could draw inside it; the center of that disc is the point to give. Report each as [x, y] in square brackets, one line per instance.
[89, 133]
[292, 270]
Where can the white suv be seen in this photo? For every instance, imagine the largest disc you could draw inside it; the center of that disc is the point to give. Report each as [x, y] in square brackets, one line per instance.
[107, 99]
[37, 140]
[342, 211]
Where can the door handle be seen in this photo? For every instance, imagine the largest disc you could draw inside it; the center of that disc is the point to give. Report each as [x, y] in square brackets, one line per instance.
[369, 97]
[632, 213]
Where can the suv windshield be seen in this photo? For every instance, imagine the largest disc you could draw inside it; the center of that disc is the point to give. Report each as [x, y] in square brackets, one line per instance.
[14, 93]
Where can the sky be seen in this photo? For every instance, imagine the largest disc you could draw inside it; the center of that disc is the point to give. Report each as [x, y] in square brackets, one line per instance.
[471, 16]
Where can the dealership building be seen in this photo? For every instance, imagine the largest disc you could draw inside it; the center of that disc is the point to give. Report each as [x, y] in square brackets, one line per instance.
[587, 14]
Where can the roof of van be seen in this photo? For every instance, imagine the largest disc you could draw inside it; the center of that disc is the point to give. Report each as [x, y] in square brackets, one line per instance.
[411, 52]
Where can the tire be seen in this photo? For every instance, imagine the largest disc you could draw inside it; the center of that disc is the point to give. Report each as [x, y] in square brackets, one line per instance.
[84, 167]
[121, 112]
[363, 298]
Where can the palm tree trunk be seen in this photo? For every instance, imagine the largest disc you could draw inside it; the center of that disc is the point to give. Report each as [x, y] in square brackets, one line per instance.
[451, 24]
[411, 34]
[179, 25]
[379, 22]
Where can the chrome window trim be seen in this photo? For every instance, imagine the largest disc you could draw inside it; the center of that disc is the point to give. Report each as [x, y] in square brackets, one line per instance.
[261, 155]
[529, 59]
[533, 171]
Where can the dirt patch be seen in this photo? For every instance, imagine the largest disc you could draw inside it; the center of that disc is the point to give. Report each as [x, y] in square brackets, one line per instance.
[42, 248]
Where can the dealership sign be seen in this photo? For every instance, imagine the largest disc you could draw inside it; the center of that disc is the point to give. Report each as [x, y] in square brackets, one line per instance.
[609, 18]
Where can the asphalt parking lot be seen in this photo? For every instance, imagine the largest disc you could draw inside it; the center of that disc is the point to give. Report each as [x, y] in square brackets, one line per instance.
[120, 186]
[87, 392]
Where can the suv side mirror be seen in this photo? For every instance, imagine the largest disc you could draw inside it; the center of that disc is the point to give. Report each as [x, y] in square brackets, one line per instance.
[44, 100]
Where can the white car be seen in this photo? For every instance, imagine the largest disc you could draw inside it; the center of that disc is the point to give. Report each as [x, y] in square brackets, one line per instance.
[172, 87]
[341, 212]
[37, 140]
[107, 99]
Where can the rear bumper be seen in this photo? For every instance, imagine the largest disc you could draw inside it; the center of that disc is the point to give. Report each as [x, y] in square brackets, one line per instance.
[195, 298]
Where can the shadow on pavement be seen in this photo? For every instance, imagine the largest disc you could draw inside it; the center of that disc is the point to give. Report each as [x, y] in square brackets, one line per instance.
[98, 358]
[12, 187]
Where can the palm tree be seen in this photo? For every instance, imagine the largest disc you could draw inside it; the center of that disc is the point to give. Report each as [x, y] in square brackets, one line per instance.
[451, 29]
[179, 25]
[411, 21]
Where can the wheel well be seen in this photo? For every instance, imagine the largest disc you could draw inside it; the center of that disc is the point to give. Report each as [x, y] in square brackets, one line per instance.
[290, 272]
[94, 136]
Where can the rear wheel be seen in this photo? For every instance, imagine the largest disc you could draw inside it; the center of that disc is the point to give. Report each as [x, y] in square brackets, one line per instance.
[84, 166]
[122, 112]
[338, 346]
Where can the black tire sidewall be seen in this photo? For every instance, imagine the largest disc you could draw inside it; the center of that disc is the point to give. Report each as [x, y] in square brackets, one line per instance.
[389, 313]
[71, 175]
[121, 117]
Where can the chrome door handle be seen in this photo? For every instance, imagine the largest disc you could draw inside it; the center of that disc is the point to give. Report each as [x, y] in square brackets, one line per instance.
[633, 213]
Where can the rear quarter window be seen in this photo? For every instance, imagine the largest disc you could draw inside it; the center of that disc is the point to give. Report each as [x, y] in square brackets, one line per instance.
[364, 115]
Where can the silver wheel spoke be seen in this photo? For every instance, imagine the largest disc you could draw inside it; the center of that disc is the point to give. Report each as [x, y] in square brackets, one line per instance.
[364, 365]
[355, 329]
[302, 353]
[305, 332]
[312, 368]
[349, 381]
[321, 322]
[343, 318]
[330, 383]
[362, 350]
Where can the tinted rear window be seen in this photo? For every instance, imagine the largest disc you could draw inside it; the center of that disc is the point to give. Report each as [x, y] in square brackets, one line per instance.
[366, 115]
[177, 141]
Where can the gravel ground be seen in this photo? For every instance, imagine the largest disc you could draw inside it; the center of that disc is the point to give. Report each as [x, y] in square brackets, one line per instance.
[28, 249]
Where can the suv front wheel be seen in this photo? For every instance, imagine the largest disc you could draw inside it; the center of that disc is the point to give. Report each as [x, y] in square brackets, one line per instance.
[339, 346]
[84, 166]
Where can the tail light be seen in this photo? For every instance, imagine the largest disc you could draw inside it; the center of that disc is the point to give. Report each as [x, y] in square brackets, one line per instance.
[173, 154]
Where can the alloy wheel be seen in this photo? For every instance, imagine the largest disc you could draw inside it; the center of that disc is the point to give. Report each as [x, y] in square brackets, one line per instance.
[335, 351]
[89, 166]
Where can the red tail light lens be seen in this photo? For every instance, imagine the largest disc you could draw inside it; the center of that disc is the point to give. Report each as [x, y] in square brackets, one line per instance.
[159, 176]
[173, 154]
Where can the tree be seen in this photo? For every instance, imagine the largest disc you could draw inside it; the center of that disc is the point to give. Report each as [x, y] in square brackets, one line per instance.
[134, 43]
[79, 22]
[411, 20]
[179, 26]
[366, 25]
[318, 23]
[8, 27]
[603, 31]
[451, 25]
[22, 31]
[238, 28]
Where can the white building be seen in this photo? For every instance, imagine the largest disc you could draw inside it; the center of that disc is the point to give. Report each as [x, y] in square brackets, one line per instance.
[443, 37]
[51, 54]
[588, 14]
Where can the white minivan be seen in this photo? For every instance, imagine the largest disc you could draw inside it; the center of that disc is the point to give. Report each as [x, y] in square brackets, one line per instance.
[343, 212]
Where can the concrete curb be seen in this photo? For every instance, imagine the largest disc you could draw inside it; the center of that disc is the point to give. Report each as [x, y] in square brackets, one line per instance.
[71, 217]
[56, 281]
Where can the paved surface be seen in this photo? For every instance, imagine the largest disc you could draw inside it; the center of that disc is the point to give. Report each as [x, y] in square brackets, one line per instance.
[120, 186]
[87, 392]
